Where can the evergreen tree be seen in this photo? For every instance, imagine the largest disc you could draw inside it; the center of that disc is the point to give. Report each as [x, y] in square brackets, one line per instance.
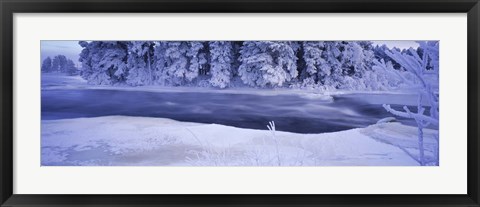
[353, 59]
[58, 63]
[175, 70]
[328, 64]
[380, 54]
[179, 62]
[139, 62]
[197, 60]
[266, 63]
[159, 63]
[285, 58]
[236, 46]
[332, 55]
[85, 57]
[221, 59]
[70, 68]
[315, 68]
[104, 62]
[47, 65]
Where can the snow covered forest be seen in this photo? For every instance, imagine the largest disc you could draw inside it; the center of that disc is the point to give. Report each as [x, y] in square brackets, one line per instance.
[242, 103]
[323, 65]
[59, 64]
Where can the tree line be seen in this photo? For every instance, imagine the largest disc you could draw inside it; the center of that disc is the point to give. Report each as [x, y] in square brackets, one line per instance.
[262, 64]
[60, 64]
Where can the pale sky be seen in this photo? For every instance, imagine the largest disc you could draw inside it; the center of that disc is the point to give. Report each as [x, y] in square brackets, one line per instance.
[71, 49]
[52, 48]
[402, 44]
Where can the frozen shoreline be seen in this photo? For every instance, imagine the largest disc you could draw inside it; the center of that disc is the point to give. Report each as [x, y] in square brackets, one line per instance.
[145, 141]
[122, 140]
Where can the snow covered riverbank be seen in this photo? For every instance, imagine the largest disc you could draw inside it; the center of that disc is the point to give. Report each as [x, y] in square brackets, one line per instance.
[122, 140]
[190, 103]
[53, 81]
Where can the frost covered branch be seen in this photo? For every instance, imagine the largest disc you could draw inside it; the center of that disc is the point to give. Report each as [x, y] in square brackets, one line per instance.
[411, 115]
[421, 68]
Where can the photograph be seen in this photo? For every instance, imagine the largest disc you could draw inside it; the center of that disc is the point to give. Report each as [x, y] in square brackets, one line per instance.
[245, 103]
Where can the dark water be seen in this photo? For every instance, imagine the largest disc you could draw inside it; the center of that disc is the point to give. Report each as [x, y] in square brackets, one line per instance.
[290, 112]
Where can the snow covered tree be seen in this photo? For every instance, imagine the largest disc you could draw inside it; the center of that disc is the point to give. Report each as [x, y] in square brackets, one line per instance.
[221, 59]
[47, 65]
[425, 69]
[284, 54]
[357, 57]
[380, 54]
[114, 60]
[172, 61]
[85, 57]
[104, 62]
[197, 60]
[326, 64]
[316, 68]
[159, 63]
[255, 61]
[357, 60]
[237, 46]
[139, 62]
[70, 68]
[58, 63]
[179, 62]
[267, 63]
[55, 65]
[331, 54]
[384, 76]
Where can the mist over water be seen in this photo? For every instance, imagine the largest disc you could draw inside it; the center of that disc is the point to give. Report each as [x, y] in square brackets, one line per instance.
[291, 113]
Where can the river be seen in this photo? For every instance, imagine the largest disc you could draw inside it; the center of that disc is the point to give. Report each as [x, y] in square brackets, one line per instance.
[292, 113]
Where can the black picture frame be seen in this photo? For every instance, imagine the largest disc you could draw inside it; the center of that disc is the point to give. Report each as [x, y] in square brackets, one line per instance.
[9, 7]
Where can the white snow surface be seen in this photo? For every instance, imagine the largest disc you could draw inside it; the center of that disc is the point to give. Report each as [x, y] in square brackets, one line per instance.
[141, 141]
